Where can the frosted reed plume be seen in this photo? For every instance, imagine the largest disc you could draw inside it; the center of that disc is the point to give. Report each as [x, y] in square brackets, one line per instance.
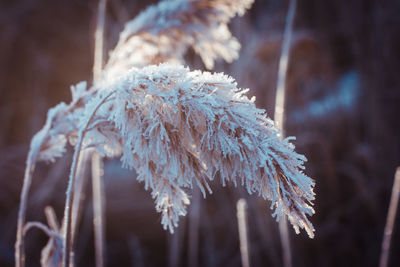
[201, 24]
[164, 32]
[179, 128]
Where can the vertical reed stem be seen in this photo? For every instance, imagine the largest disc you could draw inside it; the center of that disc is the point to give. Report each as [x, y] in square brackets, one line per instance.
[77, 203]
[387, 235]
[98, 208]
[97, 162]
[99, 41]
[283, 66]
[51, 219]
[280, 115]
[242, 224]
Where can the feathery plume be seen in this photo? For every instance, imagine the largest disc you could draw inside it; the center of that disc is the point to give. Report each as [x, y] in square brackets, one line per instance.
[164, 32]
[180, 128]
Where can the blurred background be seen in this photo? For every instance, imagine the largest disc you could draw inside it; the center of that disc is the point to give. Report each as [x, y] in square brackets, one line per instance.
[343, 105]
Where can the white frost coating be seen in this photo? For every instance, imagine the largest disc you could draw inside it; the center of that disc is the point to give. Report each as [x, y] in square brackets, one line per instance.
[171, 201]
[54, 148]
[49, 144]
[178, 128]
[78, 90]
[164, 32]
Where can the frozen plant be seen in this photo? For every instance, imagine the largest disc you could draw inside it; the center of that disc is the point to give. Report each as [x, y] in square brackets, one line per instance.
[201, 24]
[179, 128]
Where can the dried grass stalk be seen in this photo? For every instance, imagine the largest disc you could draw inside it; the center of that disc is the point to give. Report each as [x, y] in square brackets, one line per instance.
[387, 235]
[97, 161]
[241, 207]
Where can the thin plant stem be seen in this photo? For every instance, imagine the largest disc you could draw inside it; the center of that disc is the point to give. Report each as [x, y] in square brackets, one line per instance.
[387, 235]
[280, 115]
[51, 219]
[85, 234]
[242, 225]
[99, 41]
[19, 244]
[79, 189]
[35, 146]
[97, 162]
[98, 208]
[70, 190]
[40, 226]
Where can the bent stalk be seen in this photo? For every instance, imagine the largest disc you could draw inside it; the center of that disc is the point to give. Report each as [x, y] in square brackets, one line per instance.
[35, 146]
[70, 190]
[19, 244]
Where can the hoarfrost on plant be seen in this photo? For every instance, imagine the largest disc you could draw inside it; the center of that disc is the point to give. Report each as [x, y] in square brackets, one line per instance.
[180, 128]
